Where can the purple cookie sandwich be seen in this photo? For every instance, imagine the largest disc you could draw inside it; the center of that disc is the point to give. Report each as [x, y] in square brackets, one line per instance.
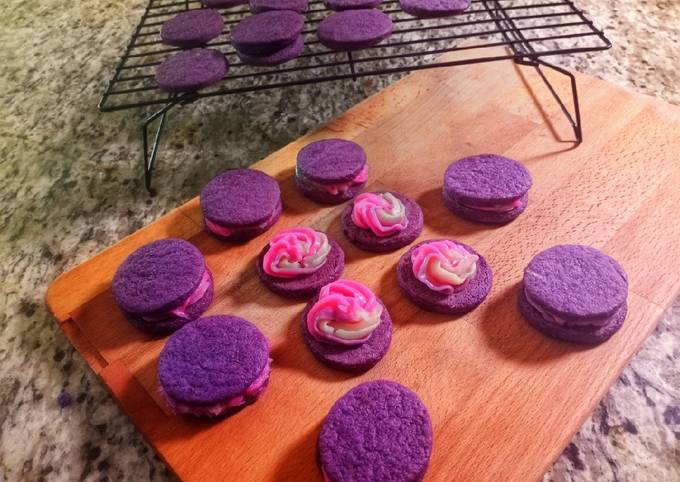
[214, 366]
[163, 285]
[191, 70]
[574, 293]
[240, 204]
[351, 4]
[223, 3]
[266, 33]
[259, 6]
[444, 276]
[487, 188]
[382, 221]
[347, 327]
[434, 8]
[331, 171]
[193, 28]
[378, 431]
[354, 29]
[297, 262]
[287, 53]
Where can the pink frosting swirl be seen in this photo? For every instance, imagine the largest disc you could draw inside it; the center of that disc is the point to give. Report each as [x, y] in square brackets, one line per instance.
[346, 313]
[296, 251]
[382, 213]
[443, 266]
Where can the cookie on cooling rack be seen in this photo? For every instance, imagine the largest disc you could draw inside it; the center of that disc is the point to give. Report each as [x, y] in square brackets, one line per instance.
[193, 28]
[191, 70]
[354, 29]
[434, 8]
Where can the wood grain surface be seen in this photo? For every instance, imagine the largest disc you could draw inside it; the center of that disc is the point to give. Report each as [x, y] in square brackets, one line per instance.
[504, 399]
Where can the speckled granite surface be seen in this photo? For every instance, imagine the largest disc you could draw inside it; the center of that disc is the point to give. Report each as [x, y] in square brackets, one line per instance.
[71, 186]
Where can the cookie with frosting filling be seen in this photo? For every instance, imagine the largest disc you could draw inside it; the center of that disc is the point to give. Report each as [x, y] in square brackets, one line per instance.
[347, 326]
[163, 285]
[487, 188]
[382, 221]
[297, 262]
[444, 276]
[378, 431]
[214, 366]
[331, 171]
[240, 204]
[574, 293]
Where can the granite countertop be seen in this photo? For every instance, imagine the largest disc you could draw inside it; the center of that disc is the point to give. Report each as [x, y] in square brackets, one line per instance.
[72, 186]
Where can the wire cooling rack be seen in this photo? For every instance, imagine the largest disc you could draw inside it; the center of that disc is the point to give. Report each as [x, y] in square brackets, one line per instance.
[530, 29]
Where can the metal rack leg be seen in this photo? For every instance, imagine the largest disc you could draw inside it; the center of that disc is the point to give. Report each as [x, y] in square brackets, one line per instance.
[351, 65]
[574, 120]
[150, 156]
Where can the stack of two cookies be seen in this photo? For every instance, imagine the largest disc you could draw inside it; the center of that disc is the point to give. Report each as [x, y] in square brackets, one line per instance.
[269, 38]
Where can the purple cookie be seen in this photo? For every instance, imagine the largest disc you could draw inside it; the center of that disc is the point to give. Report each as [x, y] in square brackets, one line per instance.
[223, 3]
[434, 8]
[574, 293]
[357, 358]
[331, 171]
[487, 188]
[214, 366]
[266, 33]
[191, 70]
[369, 241]
[354, 29]
[456, 303]
[193, 28]
[305, 285]
[163, 285]
[378, 431]
[240, 204]
[259, 6]
[287, 53]
[351, 4]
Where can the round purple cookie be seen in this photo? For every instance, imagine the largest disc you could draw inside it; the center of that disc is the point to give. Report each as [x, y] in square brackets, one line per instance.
[456, 303]
[574, 293]
[331, 171]
[369, 241]
[191, 70]
[163, 285]
[434, 8]
[351, 4]
[223, 3]
[355, 358]
[354, 29]
[287, 53]
[193, 28]
[259, 6]
[266, 33]
[240, 204]
[487, 188]
[305, 285]
[378, 431]
[214, 366]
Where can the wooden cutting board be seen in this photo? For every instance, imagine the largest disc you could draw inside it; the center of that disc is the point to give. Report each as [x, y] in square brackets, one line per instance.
[504, 399]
